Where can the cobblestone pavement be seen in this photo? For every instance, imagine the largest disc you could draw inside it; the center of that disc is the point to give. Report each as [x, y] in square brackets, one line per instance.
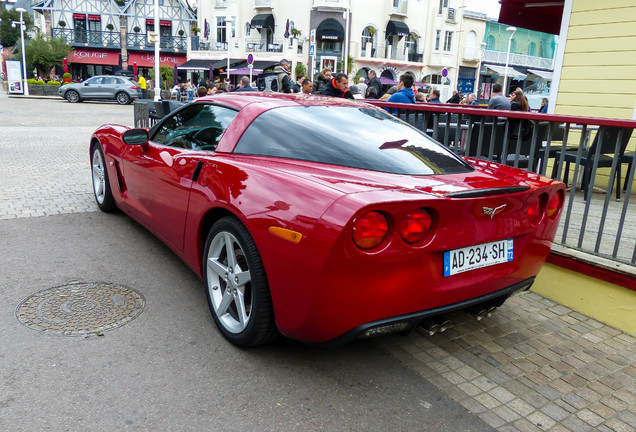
[533, 366]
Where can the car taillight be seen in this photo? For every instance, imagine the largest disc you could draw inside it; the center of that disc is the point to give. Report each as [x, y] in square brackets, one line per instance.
[534, 211]
[415, 226]
[555, 205]
[369, 230]
[134, 88]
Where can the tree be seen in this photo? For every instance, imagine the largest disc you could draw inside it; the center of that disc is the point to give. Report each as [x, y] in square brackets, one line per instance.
[300, 69]
[10, 36]
[44, 54]
[166, 74]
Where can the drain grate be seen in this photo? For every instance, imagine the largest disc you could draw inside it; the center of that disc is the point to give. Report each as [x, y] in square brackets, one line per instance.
[80, 308]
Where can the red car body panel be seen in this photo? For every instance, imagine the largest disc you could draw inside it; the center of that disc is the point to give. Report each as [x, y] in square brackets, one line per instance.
[325, 286]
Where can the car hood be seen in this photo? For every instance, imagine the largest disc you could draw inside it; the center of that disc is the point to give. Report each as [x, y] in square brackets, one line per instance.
[487, 175]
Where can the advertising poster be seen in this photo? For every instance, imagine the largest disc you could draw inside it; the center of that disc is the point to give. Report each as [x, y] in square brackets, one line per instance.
[14, 77]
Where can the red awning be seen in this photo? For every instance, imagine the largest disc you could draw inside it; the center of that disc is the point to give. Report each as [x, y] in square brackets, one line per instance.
[539, 15]
[148, 59]
[87, 56]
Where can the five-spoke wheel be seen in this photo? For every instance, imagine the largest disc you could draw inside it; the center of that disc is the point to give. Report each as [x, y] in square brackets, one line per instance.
[72, 96]
[101, 186]
[122, 98]
[237, 289]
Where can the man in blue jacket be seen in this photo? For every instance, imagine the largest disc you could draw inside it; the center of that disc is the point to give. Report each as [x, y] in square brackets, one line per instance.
[405, 93]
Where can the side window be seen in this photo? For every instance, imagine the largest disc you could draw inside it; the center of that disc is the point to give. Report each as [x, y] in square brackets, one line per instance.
[95, 81]
[198, 127]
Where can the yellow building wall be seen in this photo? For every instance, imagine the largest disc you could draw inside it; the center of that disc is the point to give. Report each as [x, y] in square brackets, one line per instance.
[598, 78]
[606, 302]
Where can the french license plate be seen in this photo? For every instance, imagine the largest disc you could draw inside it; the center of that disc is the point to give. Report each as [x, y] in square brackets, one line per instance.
[478, 256]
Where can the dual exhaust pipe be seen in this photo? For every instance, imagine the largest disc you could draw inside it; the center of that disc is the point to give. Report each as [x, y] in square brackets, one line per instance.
[440, 324]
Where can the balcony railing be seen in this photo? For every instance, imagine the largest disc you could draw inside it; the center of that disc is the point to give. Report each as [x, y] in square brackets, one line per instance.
[112, 39]
[517, 59]
[108, 39]
[167, 43]
[592, 221]
[263, 3]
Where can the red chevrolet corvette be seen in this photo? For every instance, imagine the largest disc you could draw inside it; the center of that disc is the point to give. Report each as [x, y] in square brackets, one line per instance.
[325, 220]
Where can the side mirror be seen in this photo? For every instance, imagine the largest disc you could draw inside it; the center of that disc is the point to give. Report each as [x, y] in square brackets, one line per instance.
[136, 137]
[86, 84]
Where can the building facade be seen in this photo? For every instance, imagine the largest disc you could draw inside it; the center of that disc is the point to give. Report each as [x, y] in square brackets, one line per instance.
[109, 36]
[430, 38]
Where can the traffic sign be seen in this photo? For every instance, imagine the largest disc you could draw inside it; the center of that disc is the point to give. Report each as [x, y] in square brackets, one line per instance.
[312, 50]
[444, 72]
[250, 59]
[312, 37]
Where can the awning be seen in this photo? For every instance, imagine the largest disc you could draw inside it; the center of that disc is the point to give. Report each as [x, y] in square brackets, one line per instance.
[397, 28]
[245, 71]
[148, 59]
[546, 75]
[95, 57]
[501, 70]
[539, 15]
[197, 64]
[263, 21]
[258, 64]
[330, 29]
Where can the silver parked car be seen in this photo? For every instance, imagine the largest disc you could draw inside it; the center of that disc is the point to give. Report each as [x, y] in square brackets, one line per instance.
[109, 87]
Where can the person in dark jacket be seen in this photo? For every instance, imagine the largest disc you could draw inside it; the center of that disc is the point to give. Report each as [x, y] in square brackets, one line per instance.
[374, 82]
[284, 81]
[322, 80]
[244, 85]
[405, 93]
[338, 87]
[455, 98]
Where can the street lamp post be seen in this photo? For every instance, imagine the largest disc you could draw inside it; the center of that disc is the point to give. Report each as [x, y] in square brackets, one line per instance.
[505, 85]
[25, 86]
[481, 61]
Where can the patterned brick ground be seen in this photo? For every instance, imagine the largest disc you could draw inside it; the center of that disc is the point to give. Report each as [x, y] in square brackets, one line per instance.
[533, 366]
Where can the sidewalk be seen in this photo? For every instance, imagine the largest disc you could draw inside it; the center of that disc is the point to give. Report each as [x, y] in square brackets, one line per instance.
[533, 366]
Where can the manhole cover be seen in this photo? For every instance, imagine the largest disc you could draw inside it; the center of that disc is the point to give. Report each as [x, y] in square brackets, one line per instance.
[80, 308]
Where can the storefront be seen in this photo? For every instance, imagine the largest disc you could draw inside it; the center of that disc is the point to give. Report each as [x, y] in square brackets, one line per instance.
[85, 63]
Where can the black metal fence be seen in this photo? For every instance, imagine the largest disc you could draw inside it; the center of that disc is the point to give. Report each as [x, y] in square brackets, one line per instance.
[593, 156]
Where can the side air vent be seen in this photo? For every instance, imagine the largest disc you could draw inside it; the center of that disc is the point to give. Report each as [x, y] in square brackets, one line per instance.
[488, 192]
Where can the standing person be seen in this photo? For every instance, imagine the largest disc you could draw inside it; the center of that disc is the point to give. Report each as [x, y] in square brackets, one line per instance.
[244, 85]
[471, 99]
[433, 96]
[362, 86]
[338, 87]
[284, 82]
[296, 88]
[404, 92]
[374, 83]
[190, 90]
[307, 87]
[143, 86]
[322, 80]
[498, 100]
[454, 99]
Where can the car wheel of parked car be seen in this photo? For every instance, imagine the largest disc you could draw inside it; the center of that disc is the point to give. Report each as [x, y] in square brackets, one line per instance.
[122, 98]
[72, 96]
[101, 186]
[237, 289]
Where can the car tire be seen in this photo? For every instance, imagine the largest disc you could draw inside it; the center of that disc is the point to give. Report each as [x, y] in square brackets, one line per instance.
[72, 96]
[122, 98]
[236, 285]
[101, 184]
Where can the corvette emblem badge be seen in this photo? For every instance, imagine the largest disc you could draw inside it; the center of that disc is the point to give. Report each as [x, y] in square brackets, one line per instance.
[493, 211]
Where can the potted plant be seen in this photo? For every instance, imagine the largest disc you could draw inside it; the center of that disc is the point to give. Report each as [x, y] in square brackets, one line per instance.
[61, 23]
[136, 29]
[110, 27]
[295, 32]
[195, 37]
[66, 77]
[181, 32]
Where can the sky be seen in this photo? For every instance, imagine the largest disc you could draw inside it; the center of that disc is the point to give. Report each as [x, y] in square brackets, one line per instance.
[489, 7]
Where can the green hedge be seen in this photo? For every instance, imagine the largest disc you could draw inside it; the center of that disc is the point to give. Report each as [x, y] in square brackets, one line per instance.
[33, 81]
[53, 83]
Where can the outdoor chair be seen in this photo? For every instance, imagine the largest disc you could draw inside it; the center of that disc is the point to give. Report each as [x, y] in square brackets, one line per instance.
[628, 158]
[524, 148]
[472, 148]
[606, 138]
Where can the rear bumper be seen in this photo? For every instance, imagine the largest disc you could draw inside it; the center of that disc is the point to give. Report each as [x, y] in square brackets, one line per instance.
[405, 323]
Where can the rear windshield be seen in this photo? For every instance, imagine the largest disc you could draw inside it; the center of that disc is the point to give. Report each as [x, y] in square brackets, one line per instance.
[356, 137]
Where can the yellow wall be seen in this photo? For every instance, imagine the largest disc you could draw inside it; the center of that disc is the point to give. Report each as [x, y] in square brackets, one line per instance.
[606, 302]
[598, 77]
